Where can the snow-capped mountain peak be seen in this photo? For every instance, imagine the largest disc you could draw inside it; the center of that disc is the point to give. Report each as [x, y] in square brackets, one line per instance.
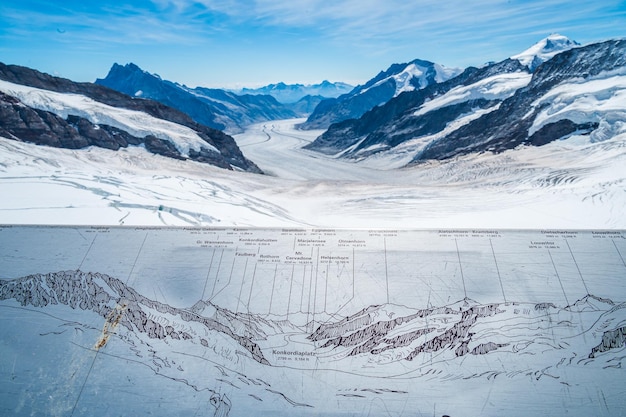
[405, 79]
[544, 50]
[416, 74]
[444, 73]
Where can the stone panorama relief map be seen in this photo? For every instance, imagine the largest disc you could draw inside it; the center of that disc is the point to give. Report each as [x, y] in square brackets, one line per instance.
[104, 321]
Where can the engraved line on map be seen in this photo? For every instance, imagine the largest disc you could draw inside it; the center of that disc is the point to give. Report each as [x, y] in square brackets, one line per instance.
[243, 280]
[317, 268]
[577, 268]
[618, 252]
[558, 277]
[136, 258]
[219, 266]
[84, 382]
[77, 231]
[326, 287]
[96, 354]
[293, 266]
[251, 287]
[386, 274]
[87, 253]
[207, 277]
[353, 272]
[303, 285]
[273, 286]
[308, 305]
[230, 276]
[495, 261]
[458, 254]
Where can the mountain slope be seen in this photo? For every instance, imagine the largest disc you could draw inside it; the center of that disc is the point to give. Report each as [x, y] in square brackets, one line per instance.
[387, 126]
[47, 110]
[538, 113]
[398, 78]
[216, 108]
[493, 108]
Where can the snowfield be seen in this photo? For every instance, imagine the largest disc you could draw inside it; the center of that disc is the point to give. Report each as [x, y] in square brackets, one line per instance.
[573, 183]
[599, 100]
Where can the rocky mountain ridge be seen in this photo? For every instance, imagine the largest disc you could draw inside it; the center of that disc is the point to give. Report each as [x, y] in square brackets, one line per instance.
[493, 108]
[48, 123]
[352, 136]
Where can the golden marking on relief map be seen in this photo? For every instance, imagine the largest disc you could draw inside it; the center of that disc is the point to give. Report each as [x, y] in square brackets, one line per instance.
[110, 324]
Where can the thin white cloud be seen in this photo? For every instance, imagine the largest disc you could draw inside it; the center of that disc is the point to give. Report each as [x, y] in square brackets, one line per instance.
[106, 26]
[361, 23]
[287, 37]
[396, 15]
[386, 23]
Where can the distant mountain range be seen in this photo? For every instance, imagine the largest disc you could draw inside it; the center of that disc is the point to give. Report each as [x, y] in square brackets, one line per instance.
[46, 110]
[221, 109]
[216, 108]
[292, 93]
[553, 90]
[406, 114]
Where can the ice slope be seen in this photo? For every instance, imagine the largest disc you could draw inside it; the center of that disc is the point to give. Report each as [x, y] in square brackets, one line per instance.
[497, 87]
[402, 154]
[601, 100]
[134, 122]
[572, 183]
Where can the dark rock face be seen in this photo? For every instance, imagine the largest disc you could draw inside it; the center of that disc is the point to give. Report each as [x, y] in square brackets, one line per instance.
[215, 108]
[375, 92]
[103, 136]
[21, 122]
[36, 126]
[558, 130]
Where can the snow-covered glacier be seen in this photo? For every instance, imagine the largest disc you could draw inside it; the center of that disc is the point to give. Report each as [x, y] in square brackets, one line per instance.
[572, 183]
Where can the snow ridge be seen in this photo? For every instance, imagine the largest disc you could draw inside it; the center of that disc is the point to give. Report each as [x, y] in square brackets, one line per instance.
[497, 87]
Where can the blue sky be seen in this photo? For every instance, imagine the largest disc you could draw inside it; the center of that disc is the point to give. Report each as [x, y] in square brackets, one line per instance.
[231, 43]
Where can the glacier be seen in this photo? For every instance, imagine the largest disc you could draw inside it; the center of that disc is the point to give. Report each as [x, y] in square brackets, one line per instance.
[573, 183]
